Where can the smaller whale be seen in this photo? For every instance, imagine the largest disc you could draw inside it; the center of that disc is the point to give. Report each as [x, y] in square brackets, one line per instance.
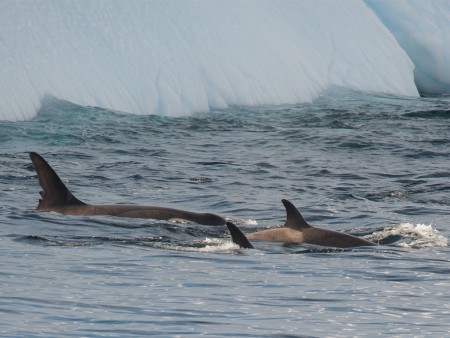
[56, 197]
[296, 230]
[238, 237]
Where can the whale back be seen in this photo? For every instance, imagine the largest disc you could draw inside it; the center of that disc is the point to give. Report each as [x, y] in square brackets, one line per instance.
[54, 194]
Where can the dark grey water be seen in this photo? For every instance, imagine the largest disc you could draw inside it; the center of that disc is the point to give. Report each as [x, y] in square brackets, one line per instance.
[372, 166]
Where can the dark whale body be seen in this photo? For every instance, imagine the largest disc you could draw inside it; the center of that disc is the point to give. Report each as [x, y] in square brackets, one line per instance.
[56, 197]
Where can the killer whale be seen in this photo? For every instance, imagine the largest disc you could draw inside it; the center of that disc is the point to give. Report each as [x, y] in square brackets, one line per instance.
[55, 196]
[296, 230]
[238, 237]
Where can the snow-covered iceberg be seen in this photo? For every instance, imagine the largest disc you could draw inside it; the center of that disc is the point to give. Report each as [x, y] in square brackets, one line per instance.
[176, 57]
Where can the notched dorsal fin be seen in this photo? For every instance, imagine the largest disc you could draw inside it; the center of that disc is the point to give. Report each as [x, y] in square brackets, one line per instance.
[54, 193]
[238, 237]
[294, 219]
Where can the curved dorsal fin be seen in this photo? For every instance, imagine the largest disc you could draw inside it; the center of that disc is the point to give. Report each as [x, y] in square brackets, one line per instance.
[294, 219]
[238, 237]
[54, 193]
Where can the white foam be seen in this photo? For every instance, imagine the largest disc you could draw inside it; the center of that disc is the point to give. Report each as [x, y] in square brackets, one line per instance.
[413, 236]
[210, 245]
[242, 221]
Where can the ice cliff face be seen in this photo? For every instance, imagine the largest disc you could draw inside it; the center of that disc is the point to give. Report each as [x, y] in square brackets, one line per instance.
[176, 57]
[422, 28]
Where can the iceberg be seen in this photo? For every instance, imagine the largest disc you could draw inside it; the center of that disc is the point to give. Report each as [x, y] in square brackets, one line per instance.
[422, 29]
[177, 57]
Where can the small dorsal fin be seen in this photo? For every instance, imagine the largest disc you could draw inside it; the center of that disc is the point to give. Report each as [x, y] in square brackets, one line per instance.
[294, 219]
[238, 237]
[54, 193]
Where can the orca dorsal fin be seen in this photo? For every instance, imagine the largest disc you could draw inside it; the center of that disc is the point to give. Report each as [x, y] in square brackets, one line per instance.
[238, 237]
[294, 219]
[54, 193]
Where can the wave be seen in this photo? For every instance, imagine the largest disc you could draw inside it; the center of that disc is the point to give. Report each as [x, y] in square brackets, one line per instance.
[404, 235]
[408, 235]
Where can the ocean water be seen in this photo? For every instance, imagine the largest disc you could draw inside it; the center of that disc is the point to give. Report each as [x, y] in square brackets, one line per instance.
[371, 165]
